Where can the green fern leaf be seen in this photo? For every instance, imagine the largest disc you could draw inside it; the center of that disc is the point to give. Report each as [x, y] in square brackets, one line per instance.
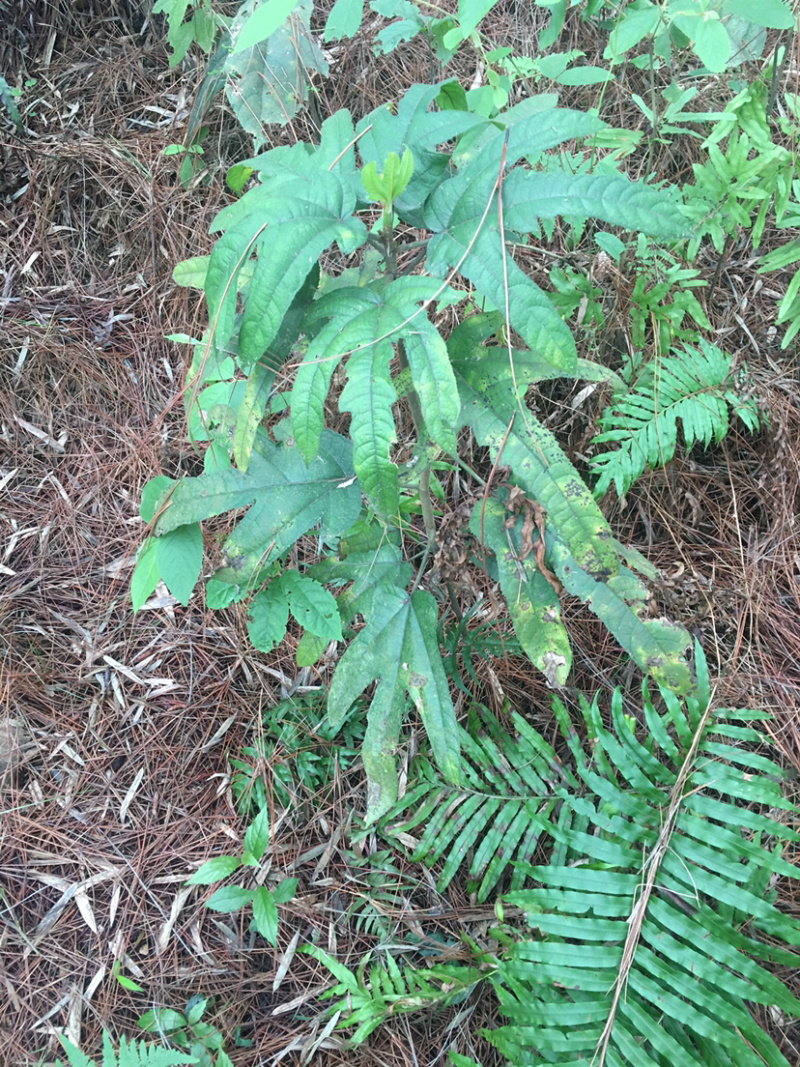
[130, 1055]
[656, 964]
[495, 818]
[693, 387]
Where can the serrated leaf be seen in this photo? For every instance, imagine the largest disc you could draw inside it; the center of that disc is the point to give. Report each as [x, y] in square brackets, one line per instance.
[415, 125]
[265, 915]
[486, 388]
[455, 216]
[399, 649]
[434, 382]
[312, 605]
[268, 616]
[369, 395]
[229, 898]
[214, 870]
[257, 837]
[532, 195]
[262, 376]
[357, 317]
[179, 554]
[657, 646]
[300, 229]
[288, 498]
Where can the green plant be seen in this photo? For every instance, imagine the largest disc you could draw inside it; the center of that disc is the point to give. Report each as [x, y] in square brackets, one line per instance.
[697, 386]
[749, 185]
[187, 1030]
[645, 856]
[230, 898]
[382, 987]
[300, 476]
[721, 33]
[263, 57]
[653, 925]
[495, 819]
[300, 752]
[192, 163]
[130, 1055]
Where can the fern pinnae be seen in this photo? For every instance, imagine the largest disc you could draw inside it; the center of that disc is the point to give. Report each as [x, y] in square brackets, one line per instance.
[650, 869]
[691, 386]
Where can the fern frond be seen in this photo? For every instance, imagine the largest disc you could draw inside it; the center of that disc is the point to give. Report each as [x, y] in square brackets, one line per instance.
[494, 818]
[366, 998]
[693, 386]
[130, 1055]
[654, 923]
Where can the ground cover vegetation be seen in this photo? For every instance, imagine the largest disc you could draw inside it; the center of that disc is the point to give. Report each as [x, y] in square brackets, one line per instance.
[460, 383]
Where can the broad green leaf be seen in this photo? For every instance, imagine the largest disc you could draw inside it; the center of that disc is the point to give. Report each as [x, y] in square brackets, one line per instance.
[196, 1009]
[251, 412]
[540, 467]
[638, 21]
[657, 646]
[146, 574]
[312, 605]
[257, 837]
[179, 554]
[344, 20]
[357, 319]
[152, 493]
[533, 195]
[532, 601]
[285, 890]
[268, 616]
[214, 870]
[369, 395]
[163, 1020]
[309, 649]
[399, 649]
[414, 125]
[709, 38]
[454, 213]
[266, 17]
[434, 382]
[262, 376]
[265, 915]
[288, 498]
[367, 571]
[191, 273]
[586, 75]
[774, 14]
[229, 898]
[299, 231]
